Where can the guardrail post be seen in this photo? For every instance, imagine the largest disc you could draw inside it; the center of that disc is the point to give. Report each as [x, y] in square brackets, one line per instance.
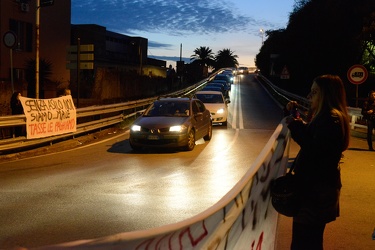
[354, 119]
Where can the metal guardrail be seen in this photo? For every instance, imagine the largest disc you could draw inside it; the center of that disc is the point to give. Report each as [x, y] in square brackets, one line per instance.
[100, 117]
[354, 113]
[109, 115]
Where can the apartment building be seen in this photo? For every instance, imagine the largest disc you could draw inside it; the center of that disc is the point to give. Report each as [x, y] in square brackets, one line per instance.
[113, 52]
[18, 20]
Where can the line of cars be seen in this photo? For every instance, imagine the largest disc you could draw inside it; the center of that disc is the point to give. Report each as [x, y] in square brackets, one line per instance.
[220, 82]
[180, 121]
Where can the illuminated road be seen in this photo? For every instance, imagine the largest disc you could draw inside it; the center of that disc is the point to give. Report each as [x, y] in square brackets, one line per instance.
[104, 189]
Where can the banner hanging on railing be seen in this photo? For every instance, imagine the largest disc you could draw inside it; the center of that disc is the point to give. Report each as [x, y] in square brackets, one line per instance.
[48, 117]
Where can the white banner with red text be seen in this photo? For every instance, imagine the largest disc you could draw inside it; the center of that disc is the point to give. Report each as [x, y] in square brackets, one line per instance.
[243, 219]
[48, 117]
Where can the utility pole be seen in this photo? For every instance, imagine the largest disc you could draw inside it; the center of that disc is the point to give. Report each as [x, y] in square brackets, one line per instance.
[37, 24]
[39, 4]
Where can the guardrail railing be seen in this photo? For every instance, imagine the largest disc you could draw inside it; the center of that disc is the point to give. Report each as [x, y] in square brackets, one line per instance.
[356, 122]
[98, 117]
[88, 119]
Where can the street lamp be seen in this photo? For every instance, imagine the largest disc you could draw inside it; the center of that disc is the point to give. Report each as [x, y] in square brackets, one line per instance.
[262, 33]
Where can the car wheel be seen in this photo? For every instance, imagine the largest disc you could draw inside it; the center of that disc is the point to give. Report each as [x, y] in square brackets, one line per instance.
[191, 141]
[134, 147]
[209, 133]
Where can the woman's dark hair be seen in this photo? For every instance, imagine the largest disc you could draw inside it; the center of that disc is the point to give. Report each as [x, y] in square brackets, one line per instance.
[333, 98]
[13, 99]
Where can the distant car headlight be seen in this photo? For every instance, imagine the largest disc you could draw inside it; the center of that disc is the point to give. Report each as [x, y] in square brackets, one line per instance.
[177, 128]
[136, 128]
[220, 111]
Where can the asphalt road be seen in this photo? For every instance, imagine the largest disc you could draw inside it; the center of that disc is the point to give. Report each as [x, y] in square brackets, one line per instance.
[103, 187]
[97, 186]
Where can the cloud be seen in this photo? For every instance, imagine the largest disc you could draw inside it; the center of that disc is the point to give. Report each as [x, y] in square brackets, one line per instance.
[152, 44]
[175, 18]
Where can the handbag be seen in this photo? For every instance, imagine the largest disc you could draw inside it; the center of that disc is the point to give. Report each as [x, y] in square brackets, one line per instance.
[283, 194]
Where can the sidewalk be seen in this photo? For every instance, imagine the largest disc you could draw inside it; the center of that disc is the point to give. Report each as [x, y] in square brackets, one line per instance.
[354, 227]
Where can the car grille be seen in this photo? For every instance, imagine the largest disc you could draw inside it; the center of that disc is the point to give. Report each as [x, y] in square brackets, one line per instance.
[155, 130]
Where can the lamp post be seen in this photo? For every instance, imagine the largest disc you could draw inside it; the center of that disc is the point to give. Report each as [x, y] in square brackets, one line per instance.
[39, 4]
[262, 34]
[37, 23]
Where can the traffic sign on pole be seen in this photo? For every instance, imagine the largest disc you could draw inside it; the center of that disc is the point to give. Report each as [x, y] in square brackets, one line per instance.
[285, 73]
[80, 55]
[83, 48]
[83, 57]
[82, 65]
[357, 74]
[45, 3]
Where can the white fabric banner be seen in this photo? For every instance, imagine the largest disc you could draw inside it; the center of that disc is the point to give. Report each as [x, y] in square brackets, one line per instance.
[243, 219]
[47, 117]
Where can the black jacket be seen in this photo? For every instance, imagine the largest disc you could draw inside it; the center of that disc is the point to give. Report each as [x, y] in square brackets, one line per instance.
[368, 105]
[317, 167]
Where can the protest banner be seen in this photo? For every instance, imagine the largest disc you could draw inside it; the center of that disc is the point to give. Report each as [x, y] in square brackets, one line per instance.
[48, 117]
[243, 219]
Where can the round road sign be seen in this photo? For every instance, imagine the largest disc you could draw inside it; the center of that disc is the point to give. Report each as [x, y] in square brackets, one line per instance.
[357, 74]
[10, 39]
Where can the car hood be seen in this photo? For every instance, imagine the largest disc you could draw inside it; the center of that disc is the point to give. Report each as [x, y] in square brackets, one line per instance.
[160, 121]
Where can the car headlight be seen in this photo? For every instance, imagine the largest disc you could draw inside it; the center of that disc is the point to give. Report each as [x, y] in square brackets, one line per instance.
[177, 128]
[220, 111]
[136, 128]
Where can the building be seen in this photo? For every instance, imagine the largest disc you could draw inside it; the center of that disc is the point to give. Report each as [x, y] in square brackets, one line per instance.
[19, 17]
[114, 50]
[114, 53]
[120, 68]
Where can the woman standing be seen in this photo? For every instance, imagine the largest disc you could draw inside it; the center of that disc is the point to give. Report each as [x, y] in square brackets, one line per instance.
[322, 141]
[368, 112]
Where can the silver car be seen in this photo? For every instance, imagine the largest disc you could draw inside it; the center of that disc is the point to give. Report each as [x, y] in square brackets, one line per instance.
[217, 104]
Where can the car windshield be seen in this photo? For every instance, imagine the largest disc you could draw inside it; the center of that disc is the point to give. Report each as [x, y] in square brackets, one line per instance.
[210, 98]
[167, 108]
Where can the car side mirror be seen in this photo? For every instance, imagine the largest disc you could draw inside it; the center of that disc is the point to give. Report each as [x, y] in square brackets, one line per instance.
[198, 114]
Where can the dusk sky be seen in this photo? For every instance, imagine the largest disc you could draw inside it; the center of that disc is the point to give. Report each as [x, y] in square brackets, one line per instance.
[217, 24]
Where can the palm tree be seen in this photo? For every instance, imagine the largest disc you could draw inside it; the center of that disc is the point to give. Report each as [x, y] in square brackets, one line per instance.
[45, 70]
[204, 56]
[225, 58]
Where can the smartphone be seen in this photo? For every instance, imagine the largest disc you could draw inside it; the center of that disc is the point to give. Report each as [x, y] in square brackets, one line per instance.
[295, 113]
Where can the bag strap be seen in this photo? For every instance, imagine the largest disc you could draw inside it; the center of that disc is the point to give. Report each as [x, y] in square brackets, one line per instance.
[293, 165]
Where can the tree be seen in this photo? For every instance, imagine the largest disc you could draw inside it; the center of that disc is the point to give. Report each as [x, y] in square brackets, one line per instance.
[204, 56]
[225, 58]
[45, 70]
[368, 38]
[322, 36]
